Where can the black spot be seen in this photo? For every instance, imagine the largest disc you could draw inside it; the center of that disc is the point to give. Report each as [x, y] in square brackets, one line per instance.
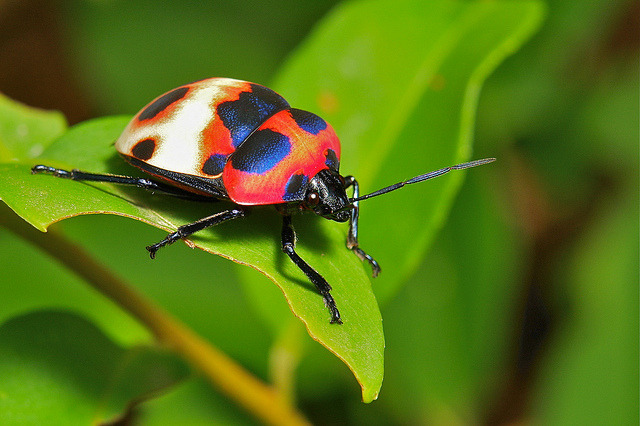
[144, 149]
[252, 108]
[296, 188]
[331, 160]
[308, 121]
[214, 164]
[261, 152]
[162, 103]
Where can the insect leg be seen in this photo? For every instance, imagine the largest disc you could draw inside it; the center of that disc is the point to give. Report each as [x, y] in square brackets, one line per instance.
[191, 228]
[352, 237]
[148, 184]
[288, 246]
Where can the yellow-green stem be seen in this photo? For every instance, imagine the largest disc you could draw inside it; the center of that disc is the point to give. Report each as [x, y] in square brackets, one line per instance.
[284, 358]
[229, 377]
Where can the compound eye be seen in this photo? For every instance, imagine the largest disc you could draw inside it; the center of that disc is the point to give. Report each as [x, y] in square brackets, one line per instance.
[313, 199]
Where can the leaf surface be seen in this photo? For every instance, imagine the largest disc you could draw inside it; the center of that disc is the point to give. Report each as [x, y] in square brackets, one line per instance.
[399, 81]
[59, 366]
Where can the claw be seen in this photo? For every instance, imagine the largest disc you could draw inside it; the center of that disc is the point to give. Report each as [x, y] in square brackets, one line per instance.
[152, 251]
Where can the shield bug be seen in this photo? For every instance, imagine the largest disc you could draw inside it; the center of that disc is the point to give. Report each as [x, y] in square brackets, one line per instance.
[225, 139]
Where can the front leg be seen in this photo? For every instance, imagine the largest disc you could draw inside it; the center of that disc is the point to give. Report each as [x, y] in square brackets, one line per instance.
[288, 246]
[352, 237]
[185, 230]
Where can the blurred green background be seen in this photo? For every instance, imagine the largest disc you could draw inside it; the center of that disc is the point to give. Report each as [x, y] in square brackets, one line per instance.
[525, 308]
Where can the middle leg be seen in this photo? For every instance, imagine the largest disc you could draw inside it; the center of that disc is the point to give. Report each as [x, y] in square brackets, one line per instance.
[288, 246]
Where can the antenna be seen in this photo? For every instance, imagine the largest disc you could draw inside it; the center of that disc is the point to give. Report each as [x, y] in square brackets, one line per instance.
[423, 177]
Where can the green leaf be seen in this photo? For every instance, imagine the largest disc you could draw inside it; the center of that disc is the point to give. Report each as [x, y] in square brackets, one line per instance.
[399, 82]
[24, 131]
[57, 366]
[43, 283]
[42, 200]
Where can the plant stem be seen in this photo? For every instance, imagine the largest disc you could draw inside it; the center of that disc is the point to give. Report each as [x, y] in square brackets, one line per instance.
[228, 376]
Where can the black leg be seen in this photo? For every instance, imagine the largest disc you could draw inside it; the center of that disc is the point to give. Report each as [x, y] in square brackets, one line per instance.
[288, 246]
[185, 230]
[148, 184]
[352, 237]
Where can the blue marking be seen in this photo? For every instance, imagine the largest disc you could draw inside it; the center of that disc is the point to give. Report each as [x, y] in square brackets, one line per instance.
[214, 164]
[308, 121]
[261, 152]
[296, 188]
[331, 160]
[249, 111]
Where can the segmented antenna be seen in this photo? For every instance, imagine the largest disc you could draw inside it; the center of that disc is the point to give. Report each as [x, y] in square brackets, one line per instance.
[423, 177]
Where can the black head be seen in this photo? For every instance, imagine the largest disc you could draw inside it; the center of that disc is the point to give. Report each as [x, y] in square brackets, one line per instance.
[326, 192]
[327, 197]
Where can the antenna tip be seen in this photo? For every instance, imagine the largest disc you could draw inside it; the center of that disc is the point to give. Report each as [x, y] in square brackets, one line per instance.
[483, 161]
[473, 163]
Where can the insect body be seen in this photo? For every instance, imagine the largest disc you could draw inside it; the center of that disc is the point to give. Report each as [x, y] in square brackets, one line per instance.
[229, 139]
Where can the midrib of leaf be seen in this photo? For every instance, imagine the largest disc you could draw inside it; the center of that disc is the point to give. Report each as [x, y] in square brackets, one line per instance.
[468, 113]
[399, 116]
[484, 68]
